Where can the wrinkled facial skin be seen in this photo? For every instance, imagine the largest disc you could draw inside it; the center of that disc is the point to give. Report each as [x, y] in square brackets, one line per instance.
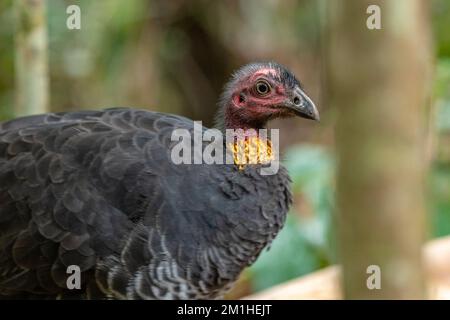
[267, 94]
[260, 105]
[259, 92]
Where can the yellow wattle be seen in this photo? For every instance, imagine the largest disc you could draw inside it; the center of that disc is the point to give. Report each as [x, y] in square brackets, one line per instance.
[251, 150]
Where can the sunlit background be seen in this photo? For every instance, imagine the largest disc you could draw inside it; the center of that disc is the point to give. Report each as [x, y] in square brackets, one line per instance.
[174, 56]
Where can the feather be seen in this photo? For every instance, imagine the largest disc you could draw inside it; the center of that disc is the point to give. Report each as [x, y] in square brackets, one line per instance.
[98, 189]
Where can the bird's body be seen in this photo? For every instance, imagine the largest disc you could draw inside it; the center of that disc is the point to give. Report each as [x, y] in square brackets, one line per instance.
[98, 190]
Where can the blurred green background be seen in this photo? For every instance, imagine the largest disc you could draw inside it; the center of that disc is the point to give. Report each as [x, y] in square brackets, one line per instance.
[174, 56]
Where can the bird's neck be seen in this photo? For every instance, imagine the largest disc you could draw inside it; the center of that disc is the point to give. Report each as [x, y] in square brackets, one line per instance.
[230, 117]
[247, 144]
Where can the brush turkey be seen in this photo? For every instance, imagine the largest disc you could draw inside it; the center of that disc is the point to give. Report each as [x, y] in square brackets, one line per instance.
[98, 190]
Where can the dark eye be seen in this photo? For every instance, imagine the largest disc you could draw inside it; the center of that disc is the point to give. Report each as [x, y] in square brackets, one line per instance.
[262, 87]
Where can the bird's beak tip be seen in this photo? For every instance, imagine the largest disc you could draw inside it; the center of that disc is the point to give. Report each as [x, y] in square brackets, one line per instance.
[317, 118]
[306, 109]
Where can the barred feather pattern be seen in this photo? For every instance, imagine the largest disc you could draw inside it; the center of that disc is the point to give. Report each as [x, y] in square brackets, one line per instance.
[98, 189]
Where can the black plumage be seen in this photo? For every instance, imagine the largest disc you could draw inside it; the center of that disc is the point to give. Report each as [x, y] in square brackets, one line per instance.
[98, 189]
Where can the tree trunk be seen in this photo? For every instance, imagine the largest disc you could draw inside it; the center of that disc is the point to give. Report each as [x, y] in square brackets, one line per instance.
[379, 82]
[31, 58]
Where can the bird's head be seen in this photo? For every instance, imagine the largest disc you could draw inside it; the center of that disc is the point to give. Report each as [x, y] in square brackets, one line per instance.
[259, 92]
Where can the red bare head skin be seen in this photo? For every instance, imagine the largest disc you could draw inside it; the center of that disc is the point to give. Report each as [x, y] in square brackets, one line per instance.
[259, 92]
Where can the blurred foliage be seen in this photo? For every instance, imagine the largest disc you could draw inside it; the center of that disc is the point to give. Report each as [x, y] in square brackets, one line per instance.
[170, 56]
[306, 242]
[441, 27]
[439, 180]
[440, 200]
[442, 95]
[6, 59]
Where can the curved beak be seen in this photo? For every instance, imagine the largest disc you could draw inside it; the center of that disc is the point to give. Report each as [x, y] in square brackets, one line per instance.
[302, 105]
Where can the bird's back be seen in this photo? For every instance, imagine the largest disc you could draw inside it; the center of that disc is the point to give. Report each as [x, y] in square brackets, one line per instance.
[99, 190]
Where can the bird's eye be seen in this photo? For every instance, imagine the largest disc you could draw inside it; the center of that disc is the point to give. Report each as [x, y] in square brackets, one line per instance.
[262, 87]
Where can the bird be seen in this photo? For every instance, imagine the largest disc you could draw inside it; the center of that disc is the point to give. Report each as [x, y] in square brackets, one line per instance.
[96, 193]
